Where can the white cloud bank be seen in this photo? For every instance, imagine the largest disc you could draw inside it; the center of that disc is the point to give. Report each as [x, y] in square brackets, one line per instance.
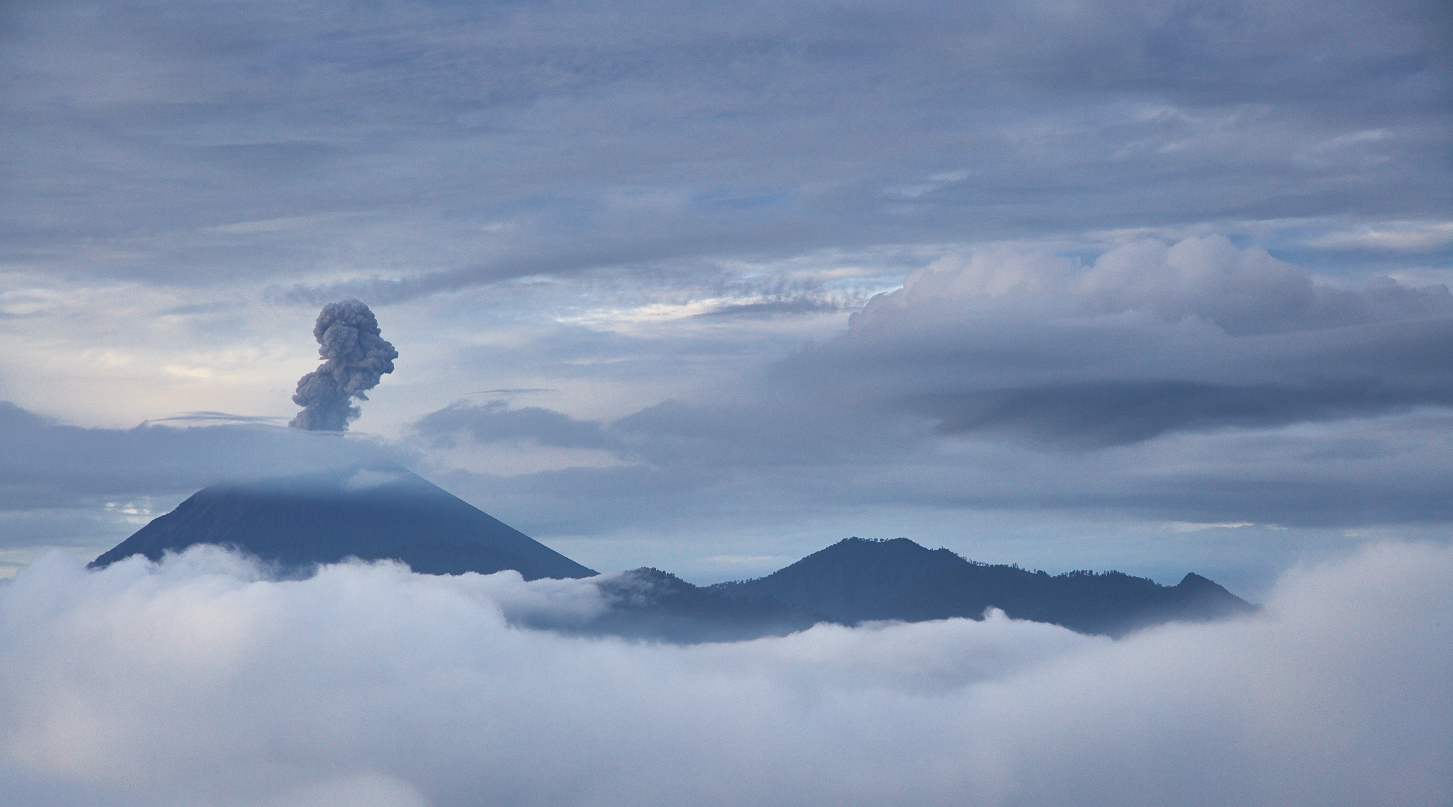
[196, 682]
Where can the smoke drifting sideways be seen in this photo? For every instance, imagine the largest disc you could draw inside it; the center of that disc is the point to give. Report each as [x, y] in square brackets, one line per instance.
[199, 681]
[355, 356]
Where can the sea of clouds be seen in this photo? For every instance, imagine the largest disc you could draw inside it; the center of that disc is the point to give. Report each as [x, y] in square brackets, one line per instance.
[200, 681]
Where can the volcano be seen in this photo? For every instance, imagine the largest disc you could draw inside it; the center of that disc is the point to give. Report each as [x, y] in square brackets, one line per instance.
[299, 522]
[857, 580]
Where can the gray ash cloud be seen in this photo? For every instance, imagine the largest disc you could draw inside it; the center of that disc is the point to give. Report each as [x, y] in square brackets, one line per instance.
[355, 356]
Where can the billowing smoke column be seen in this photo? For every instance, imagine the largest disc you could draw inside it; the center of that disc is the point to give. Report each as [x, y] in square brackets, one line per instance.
[355, 356]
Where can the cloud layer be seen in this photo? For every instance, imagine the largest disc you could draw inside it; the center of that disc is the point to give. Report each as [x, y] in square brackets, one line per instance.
[1151, 338]
[64, 485]
[1186, 381]
[437, 147]
[199, 682]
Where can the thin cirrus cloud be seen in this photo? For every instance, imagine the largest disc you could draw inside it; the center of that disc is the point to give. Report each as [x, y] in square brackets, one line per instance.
[202, 681]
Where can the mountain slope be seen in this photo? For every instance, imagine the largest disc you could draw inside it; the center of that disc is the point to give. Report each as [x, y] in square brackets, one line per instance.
[651, 604]
[370, 514]
[856, 580]
[390, 513]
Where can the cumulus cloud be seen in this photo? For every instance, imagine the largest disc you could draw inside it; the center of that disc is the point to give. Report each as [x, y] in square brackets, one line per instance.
[1151, 338]
[1242, 292]
[199, 681]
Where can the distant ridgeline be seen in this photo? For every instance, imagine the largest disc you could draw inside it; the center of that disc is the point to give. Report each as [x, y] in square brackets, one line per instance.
[297, 523]
[856, 580]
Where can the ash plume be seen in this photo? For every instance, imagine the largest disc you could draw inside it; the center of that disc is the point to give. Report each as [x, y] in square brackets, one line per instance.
[355, 356]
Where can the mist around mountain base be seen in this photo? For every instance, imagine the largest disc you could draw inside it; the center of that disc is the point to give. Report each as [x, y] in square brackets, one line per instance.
[200, 680]
[292, 525]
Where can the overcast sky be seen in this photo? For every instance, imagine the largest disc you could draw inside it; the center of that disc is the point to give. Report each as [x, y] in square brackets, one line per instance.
[1159, 286]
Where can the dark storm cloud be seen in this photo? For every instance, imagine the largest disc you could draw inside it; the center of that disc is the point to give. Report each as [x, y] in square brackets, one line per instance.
[625, 136]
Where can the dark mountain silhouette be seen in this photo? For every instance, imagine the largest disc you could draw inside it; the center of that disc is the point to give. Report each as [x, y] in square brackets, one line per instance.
[857, 580]
[297, 523]
[651, 604]
[371, 514]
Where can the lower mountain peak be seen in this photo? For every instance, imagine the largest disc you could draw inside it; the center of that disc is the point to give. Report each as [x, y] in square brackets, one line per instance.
[858, 580]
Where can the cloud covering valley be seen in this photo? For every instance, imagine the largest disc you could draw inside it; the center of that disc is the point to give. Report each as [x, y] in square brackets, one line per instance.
[198, 681]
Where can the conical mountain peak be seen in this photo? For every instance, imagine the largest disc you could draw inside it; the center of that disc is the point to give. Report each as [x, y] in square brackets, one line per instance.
[367, 512]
